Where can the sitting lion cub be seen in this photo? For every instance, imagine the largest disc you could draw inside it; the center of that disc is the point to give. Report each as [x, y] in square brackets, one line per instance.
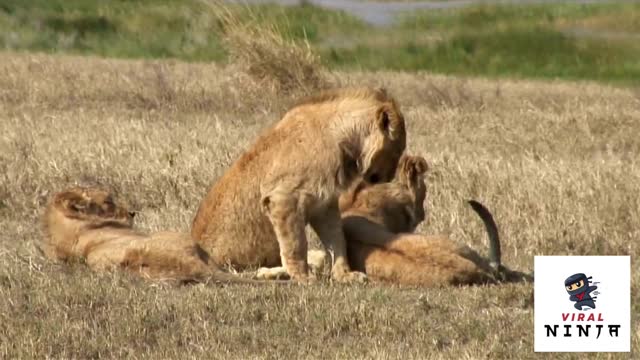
[257, 211]
[377, 220]
[90, 224]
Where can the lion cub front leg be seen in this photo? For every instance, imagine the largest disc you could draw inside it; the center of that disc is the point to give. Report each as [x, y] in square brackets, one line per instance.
[288, 220]
[328, 226]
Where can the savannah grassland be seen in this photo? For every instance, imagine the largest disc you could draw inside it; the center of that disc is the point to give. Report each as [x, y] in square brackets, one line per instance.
[572, 41]
[556, 162]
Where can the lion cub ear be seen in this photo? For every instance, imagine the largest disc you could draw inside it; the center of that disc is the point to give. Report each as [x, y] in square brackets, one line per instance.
[381, 92]
[420, 165]
[412, 168]
[383, 119]
[388, 120]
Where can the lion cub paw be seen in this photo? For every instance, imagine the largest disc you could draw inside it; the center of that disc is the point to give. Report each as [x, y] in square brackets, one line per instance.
[316, 260]
[350, 277]
[280, 273]
[274, 273]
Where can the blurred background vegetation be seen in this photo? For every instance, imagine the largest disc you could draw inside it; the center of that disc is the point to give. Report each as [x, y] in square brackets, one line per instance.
[598, 41]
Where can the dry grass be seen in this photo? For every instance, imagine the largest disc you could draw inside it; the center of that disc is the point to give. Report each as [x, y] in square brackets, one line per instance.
[556, 163]
[263, 52]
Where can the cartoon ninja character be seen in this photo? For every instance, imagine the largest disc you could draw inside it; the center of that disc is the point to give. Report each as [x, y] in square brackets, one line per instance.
[577, 286]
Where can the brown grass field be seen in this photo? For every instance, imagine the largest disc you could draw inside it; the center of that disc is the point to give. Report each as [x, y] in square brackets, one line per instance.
[556, 162]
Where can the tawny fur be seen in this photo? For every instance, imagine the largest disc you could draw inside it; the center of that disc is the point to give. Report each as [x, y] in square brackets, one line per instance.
[377, 220]
[256, 213]
[399, 204]
[90, 224]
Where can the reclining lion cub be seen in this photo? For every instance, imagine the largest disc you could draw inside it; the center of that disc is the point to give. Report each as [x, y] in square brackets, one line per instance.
[376, 222]
[256, 213]
[89, 223]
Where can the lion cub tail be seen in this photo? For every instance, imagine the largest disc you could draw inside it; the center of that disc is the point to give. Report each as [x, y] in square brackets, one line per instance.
[502, 272]
[492, 231]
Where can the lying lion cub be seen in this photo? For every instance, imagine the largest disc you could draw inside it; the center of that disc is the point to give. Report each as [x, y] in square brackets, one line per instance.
[89, 223]
[377, 219]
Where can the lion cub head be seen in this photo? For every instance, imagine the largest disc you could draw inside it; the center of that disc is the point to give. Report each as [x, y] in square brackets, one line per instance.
[397, 205]
[384, 146]
[373, 129]
[74, 210]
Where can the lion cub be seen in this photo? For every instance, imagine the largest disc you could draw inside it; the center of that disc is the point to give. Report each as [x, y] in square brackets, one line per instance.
[377, 220]
[256, 213]
[89, 223]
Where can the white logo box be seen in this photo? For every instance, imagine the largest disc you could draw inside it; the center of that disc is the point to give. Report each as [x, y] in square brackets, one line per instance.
[590, 330]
